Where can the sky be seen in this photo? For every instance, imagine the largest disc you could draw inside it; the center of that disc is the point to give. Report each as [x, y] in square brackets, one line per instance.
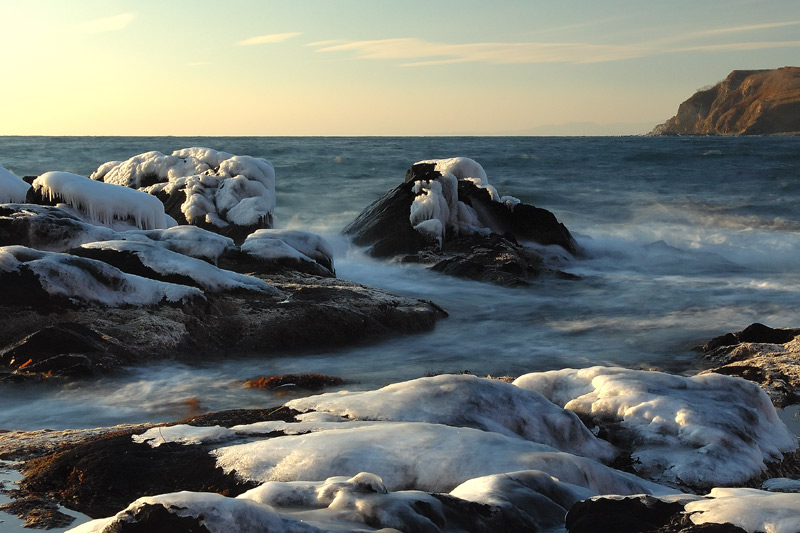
[328, 67]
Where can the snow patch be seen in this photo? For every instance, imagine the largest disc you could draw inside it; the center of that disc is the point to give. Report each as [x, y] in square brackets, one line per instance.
[103, 202]
[702, 430]
[183, 434]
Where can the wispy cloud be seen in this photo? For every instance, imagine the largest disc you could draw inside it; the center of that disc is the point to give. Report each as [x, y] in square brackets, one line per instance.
[737, 47]
[266, 39]
[106, 24]
[433, 53]
[750, 27]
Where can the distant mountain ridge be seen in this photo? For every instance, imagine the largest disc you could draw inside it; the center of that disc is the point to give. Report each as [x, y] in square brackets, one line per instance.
[747, 102]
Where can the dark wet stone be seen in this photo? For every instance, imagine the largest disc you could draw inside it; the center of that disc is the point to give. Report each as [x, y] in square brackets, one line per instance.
[155, 518]
[636, 514]
[498, 258]
[753, 333]
[65, 349]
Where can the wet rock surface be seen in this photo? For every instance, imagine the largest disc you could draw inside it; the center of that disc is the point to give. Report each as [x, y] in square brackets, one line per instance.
[638, 514]
[304, 313]
[765, 355]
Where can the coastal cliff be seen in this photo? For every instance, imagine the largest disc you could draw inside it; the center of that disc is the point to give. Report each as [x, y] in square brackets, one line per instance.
[747, 102]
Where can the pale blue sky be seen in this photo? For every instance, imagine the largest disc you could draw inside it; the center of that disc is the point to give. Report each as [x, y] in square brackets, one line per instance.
[373, 67]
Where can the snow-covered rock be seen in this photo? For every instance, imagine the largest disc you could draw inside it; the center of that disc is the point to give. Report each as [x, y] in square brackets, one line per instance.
[420, 456]
[540, 496]
[750, 509]
[467, 401]
[26, 274]
[219, 188]
[103, 202]
[12, 188]
[183, 434]
[157, 262]
[289, 246]
[704, 430]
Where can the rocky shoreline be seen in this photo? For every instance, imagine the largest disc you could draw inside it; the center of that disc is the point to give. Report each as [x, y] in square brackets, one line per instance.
[87, 289]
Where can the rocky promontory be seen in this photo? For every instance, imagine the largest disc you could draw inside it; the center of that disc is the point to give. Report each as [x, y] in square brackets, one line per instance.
[747, 102]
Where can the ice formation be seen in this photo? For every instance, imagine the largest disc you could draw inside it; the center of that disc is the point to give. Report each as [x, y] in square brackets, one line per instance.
[166, 262]
[702, 430]
[183, 434]
[12, 188]
[436, 209]
[272, 244]
[220, 188]
[103, 202]
[750, 509]
[413, 455]
[468, 401]
[542, 497]
[49, 228]
[187, 240]
[73, 277]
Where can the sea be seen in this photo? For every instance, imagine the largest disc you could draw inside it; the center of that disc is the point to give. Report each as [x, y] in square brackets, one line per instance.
[682, 239]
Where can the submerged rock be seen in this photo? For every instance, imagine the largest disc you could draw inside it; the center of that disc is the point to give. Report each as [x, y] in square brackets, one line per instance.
[767, 356]
[448, 216]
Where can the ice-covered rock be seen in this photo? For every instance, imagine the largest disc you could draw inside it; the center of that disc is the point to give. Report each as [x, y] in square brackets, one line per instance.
[750, 509]
[47, 228]
[420, 456]
[467, 401]
[103, 202]
[292, 247]
[156, 262]
[187, 240]
[201, 186]
[183, 434]
[12, 188]
[700, 431]
[447, 215]
[538, 495]
[34, 276]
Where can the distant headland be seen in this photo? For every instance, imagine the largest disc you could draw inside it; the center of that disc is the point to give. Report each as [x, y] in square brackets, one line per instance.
[747, 102]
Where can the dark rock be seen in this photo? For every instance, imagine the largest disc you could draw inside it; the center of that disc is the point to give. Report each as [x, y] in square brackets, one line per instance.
[385, 227]
[46, 228]
[753, 333]
[101, 476]
[767, 356]
[155, 518]
[747, 102]
[492, 259]
[636, 514]
[621, 515]
[307, 313]
[523, 222]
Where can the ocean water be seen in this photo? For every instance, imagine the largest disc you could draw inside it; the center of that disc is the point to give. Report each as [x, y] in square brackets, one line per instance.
[683, 239]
